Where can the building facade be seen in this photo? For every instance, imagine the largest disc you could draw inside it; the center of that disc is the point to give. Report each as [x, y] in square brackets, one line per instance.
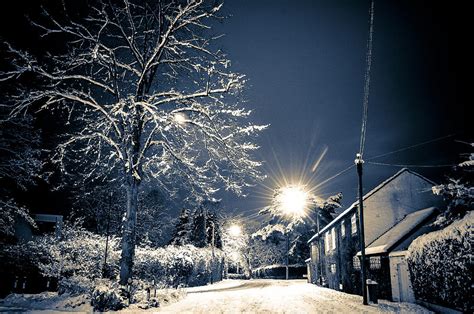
[395, 212]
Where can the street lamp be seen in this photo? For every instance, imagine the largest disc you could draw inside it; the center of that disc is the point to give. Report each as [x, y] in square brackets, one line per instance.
[213, 253]
[291, 201]
[235, 230]
[180, 118]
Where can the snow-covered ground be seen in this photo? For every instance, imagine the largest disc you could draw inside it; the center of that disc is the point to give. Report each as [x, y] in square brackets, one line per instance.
[228, 296]
[278, 296]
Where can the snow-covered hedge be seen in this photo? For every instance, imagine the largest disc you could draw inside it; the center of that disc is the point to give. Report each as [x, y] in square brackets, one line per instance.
[175, 266]
[440, 265]
[73, 260]
[278, 271]
[76, 260]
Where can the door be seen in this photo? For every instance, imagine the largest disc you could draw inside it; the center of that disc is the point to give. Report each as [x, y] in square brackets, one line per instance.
[404, 284]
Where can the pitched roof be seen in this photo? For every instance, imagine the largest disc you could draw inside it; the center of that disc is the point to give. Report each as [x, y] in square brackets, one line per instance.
[390, 238]
[367, 195]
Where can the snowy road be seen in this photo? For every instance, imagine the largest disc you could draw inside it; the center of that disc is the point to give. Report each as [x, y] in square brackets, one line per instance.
[277, 296]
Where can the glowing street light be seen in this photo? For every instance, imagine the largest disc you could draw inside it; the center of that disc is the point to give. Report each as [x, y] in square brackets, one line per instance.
[180, 118]
[292, 200]
[235, 230]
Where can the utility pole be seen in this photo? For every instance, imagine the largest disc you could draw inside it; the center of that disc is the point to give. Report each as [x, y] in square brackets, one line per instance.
[359, 162]
[287, 251]
[320, 258]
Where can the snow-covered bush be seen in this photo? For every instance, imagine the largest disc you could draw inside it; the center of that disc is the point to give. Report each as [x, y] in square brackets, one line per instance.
[75, 285]
[175, 266]
[76, 258]
[107, 296]
[440, 265]
[278, 271]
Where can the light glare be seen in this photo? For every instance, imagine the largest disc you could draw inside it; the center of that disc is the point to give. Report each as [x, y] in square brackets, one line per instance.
[180, 118]
[235, 230]
[293, 200]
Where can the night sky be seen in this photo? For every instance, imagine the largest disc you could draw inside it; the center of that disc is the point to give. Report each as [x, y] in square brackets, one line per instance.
[305, 62]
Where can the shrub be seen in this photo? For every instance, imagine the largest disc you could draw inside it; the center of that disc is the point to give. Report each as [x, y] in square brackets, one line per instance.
[108, 297]
[175, 266]
[75, 259]
[75, 285]
[440, 267]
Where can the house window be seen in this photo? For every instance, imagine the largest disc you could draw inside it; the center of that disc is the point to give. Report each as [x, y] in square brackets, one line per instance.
[343, 229]
[333, 268]
[314, 252]
[326, 242]
[353, 224]
[375, 262]
[356, 262]
[333, 238]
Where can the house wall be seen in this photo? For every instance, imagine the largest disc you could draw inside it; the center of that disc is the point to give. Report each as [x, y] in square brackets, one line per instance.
[344, 277]
[403, 195]
[382, 210]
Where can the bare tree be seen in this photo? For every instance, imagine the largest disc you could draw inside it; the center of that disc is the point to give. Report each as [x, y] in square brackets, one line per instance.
[154, 99]
[20, 166]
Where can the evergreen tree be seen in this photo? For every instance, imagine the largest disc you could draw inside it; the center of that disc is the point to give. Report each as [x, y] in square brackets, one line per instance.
[198, 230]
[458, 191]
[182, 234]
[213, 222]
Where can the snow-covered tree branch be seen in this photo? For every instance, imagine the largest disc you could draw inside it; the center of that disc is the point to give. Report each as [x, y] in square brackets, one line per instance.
[148, 95]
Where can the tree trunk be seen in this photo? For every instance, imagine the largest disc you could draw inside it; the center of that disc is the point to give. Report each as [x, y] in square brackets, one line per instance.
[128, 239]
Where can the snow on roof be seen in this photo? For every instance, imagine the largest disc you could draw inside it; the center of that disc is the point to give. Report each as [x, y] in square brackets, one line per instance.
[367, 195]
[386, 241]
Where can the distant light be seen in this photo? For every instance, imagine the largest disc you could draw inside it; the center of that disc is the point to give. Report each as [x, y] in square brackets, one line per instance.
[293, 200]
[235, 230]
[180, 118]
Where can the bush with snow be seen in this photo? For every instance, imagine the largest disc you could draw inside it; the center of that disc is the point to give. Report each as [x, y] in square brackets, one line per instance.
[106, 297]
[75, 258]
[175, 266]
[440, 265]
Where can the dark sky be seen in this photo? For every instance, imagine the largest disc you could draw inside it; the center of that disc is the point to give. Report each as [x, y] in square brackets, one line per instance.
[305, 62]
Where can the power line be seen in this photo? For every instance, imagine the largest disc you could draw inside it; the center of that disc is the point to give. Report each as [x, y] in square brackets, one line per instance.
[411, 146]
[368, 59]
[410, 166]
[335, 176]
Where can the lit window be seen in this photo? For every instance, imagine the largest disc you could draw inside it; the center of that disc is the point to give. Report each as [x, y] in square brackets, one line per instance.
[343, 229]
[333, 238]
[326, 242]
[333, 268]
[356, 262]
[353, 224]
[375, 262]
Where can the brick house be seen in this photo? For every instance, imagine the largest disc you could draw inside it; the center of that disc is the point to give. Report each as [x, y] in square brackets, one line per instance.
[395, 213]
